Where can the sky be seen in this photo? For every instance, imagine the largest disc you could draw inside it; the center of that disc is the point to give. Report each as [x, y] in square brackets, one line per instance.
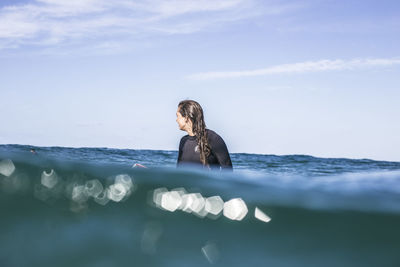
[315, 77]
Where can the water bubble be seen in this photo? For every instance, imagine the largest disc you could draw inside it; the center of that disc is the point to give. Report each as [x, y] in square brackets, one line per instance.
[6, 167]
[198, 203]
[201, 213]
[102, 198]
[79, 194]
[187, 201]
[211, 252]
[17, 182]
[68, 189]
[235, 209]
[214, 205]
[157, 195]
[259, 214]
[194, 203]
[116, 192]
[125, 181]
[150, 237]
[171, 201]
[93, 188]
[50, 179]
[178, 199]
[181, 191]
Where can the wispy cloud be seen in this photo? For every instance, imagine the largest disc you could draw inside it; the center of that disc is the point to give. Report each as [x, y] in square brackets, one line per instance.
[355, 25]
[302, 67]
[41, 23]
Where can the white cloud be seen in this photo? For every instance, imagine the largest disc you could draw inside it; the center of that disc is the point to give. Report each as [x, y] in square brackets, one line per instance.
[178, 7]
[46, 23]
[302, 67]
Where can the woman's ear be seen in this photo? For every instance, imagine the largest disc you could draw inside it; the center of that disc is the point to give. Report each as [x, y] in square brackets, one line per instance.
[190, 123]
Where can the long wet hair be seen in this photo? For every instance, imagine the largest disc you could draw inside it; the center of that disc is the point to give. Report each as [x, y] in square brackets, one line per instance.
[192, 110]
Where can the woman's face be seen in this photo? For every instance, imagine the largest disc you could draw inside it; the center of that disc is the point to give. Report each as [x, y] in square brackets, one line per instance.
[182, 121]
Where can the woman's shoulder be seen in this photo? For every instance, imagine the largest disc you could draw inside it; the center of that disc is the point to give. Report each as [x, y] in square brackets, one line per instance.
[185, 137]
[212, 135]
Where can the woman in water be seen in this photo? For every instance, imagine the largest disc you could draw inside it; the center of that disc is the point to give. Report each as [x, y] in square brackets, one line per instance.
[200, 145]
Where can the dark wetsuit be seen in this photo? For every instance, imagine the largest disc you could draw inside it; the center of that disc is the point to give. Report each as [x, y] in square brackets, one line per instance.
[189, 152]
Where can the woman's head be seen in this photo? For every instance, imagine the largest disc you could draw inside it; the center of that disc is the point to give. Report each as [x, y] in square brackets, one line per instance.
[190, 118]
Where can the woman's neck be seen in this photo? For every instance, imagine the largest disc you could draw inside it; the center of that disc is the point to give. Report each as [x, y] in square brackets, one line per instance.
[190, 132]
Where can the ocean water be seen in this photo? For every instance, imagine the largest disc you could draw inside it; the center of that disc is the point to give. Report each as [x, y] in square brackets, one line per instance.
[90, 207]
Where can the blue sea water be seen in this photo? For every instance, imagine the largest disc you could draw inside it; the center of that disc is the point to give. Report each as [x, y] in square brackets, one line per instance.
[323, 212]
